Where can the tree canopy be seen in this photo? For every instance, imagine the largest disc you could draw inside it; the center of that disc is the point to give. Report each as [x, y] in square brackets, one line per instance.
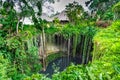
[74, 11]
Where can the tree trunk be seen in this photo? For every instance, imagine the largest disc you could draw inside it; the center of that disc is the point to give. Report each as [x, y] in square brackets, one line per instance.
[74, 44]
[82, 45]
[44, 51]
[89, 48]
[23, 22]
[84, 50]
[68, 48]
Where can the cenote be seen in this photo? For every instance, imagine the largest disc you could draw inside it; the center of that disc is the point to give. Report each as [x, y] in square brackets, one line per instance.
[79, 42]
[75, 49]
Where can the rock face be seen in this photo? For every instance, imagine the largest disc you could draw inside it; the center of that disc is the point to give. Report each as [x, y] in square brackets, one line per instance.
[51, 48]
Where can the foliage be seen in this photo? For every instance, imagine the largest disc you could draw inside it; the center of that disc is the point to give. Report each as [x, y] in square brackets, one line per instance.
[95, 71]
[24, 57]
[74, 11]
[69, 30]
[3, 68]
[98, 7]
[96, 4]
[52, 30]
[56, 21]
[116, 7]
[6, 70]
[71, 73]
[7, 16]
[108, 15]
[106, 37]
[106, 59]
[106, 50]
[116, 10]
[27, 8]
[37, 77]
[19, 54]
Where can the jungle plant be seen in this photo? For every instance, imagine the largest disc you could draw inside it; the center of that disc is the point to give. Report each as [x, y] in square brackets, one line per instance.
[37, 77]
[3, 68]
[74, 12]
[116, 10]
[106, 59]
[6, 69]
[99, 7]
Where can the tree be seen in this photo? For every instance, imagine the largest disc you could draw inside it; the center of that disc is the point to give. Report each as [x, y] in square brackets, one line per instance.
[27, 8]
[8, 16]
[11, 17]
[100, 6]
[74, 11]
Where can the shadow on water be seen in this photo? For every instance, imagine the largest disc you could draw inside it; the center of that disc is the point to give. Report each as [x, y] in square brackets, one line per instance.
[61, 64]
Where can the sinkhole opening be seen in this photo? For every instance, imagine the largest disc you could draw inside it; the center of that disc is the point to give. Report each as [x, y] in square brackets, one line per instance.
[75, 50]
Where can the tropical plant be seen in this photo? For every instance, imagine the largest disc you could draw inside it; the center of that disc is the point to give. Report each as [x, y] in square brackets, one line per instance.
[74, 12]
[116, 10]
[99, 7]
[106, 59]
[37, 77]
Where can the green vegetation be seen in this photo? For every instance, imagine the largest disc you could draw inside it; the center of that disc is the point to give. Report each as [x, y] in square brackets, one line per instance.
[74, 12]
[37, 77]
[116, 10]
[105, 64]
[5, 69]
[21, 53]
[23, 48]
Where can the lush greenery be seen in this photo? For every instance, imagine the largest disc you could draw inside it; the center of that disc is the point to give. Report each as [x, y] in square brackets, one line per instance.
[22, 47]
[106, 60]
[21, 56]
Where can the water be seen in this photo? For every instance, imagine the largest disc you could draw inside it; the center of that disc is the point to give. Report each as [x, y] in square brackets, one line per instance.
[60, 64]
